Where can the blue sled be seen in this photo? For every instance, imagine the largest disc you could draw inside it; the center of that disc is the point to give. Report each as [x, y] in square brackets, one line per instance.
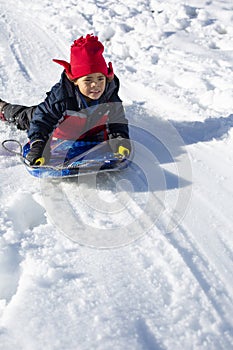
[74, 158]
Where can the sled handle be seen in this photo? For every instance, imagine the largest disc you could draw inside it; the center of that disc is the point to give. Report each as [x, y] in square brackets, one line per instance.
[10, 150]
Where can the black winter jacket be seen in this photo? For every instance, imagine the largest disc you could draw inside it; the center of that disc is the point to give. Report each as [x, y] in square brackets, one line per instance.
[65, 114]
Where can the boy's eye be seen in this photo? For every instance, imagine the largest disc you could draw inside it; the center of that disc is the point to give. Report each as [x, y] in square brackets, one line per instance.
[88, 81]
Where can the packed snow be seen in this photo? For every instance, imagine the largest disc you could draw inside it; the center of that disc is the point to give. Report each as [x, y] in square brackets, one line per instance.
[141, 259]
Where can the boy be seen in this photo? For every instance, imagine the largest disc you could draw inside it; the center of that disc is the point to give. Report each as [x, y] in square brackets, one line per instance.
[83, 105]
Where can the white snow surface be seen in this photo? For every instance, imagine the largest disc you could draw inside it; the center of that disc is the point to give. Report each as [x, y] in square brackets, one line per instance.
[122, 261]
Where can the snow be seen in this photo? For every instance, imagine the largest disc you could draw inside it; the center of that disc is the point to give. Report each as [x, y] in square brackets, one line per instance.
[137, 260]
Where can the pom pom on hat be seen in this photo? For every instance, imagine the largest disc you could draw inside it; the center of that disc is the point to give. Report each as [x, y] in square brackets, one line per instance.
[86, 57]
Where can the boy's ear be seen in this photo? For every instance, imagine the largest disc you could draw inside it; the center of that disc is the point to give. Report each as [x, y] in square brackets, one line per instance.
[110, 79]
[72, 80]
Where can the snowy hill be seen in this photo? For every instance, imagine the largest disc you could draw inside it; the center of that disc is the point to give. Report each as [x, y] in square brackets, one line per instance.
[124, 261]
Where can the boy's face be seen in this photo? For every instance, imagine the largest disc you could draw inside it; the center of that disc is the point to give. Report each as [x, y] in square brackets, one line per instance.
[92, 85]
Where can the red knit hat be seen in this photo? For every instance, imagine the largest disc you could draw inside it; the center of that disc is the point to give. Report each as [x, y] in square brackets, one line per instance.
[86, 58]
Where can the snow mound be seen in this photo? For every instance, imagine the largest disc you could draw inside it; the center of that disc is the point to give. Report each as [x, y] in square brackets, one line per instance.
[24, 212]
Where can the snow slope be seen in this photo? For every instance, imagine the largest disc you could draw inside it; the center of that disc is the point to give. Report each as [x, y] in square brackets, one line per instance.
[143, 259]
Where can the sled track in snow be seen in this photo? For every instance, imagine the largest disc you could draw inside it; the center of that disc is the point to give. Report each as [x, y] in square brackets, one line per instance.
[27, 47]
[177, 257]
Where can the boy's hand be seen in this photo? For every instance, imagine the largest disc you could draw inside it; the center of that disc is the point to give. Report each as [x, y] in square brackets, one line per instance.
[123, 151]
[35, 156]
[120, 146]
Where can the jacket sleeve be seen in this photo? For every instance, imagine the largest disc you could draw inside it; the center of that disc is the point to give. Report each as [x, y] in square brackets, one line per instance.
[118, 123]
[46, 117]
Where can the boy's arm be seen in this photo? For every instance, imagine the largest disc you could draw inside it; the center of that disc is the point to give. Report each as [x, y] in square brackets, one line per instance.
[118, 131]
[45, 119]
[118, 123]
